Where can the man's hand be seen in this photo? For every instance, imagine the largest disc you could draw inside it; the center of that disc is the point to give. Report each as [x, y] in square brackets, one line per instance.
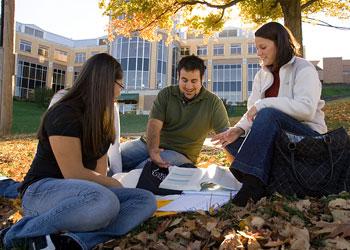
[251, 113]
[227, 137]
[155, 157]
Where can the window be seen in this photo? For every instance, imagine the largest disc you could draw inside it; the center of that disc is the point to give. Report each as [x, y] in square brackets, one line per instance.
[33, 32]
[80, 57]
[76, 73]
[102, 41]
[227, 81]
[228, 33]
[194, 36]
[218, 49]
[185, 51]
[25, 46]
[29, 77]
[251, 48]
[253, 68]
[134, 56]
[43, 51]
[61, 55]
[162, 58]
[175, 59]
[202, 50]
[235, 49]
[59, 78]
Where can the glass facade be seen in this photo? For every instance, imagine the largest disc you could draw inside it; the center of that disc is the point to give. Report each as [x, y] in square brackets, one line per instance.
[175, 59]
[134, 54]
[253, 68]
[227, 82]
[29, 76]
[251, 48]
[59, 79]
[162, 59]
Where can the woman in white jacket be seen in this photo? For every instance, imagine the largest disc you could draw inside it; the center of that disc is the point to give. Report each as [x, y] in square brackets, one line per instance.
[286, 95]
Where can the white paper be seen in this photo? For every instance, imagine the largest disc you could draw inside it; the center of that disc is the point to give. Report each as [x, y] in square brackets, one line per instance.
[194, 202]
[129, 179]
[193, 178]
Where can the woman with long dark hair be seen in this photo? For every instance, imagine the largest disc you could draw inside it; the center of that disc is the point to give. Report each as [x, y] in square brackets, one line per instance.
[286, 95]
[68, 200]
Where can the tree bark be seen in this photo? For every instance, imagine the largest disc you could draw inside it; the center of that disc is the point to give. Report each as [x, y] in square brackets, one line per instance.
[292, 19]
[7, 66]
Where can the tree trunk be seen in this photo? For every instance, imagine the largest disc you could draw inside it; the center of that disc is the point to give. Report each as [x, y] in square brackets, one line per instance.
[292, 19]
[7, 67]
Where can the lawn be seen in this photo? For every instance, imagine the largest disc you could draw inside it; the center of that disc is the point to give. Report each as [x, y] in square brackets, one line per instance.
[26, 117]
[274, 223]
[330, 91]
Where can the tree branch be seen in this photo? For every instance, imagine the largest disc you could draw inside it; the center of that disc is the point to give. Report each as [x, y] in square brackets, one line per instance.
[307, 4]
[216, 6]
[222, 15]
[323, 23]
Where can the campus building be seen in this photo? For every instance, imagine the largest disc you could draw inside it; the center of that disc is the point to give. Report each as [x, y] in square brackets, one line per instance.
[44, 59]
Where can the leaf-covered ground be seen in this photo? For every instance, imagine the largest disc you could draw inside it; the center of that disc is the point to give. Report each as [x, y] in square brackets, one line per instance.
[274, 223]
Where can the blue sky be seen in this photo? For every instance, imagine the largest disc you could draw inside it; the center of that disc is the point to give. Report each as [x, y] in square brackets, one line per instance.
[82, 19]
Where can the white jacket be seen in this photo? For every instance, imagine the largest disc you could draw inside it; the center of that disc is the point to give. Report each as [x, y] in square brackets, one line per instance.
[298, 96]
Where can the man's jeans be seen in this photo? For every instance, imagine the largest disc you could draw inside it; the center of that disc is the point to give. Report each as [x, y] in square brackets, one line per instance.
[254, 154]
[135, 155]
[85, 211]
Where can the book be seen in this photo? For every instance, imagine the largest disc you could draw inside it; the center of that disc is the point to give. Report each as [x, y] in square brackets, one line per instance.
[197, 179]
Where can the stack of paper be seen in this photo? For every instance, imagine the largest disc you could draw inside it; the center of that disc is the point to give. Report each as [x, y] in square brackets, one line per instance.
[194, 178]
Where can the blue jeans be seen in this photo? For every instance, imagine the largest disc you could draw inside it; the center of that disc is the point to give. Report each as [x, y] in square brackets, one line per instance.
[85, 211]
[8, 187]
[135, 155]
[256, 150]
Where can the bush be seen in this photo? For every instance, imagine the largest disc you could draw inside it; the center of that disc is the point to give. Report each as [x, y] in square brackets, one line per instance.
[42, 96]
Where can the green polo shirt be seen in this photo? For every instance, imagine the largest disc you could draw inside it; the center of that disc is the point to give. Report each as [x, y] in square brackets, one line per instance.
[186, 125]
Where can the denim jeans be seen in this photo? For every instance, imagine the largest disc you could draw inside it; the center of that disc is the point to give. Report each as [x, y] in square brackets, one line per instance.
[135, 155]
[86, 211]
[8, 187]
[256, 151]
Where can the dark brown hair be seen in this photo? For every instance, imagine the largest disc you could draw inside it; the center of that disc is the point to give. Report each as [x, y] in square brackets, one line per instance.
[287, 46]
[93, 95]
[191, 63]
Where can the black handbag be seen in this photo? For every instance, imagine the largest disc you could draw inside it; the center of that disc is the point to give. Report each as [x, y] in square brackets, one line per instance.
[311, 165]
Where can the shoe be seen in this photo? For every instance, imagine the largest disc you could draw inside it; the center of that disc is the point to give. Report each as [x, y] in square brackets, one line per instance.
[64, 242]
[252, 189]
[40, 242]
[2, 236]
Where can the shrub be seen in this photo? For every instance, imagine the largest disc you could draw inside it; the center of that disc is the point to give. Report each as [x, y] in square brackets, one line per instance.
[42, 96]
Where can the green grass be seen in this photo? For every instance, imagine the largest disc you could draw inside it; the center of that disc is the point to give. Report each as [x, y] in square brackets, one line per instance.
[336, 90]
[131, 123]
[26, 117]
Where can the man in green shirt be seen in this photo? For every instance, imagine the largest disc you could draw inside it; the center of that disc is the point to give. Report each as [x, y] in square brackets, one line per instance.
[180, 120]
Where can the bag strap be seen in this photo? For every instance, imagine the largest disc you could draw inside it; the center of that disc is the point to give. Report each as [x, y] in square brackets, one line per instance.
[292, 147]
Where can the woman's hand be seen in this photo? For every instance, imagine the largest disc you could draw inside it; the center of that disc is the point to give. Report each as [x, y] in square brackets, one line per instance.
[251, 113]
[227, 137]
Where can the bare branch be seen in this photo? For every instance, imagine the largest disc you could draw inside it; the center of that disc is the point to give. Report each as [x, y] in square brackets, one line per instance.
[222, 15]
[308, 3]
[323, 23]
[216, 6]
